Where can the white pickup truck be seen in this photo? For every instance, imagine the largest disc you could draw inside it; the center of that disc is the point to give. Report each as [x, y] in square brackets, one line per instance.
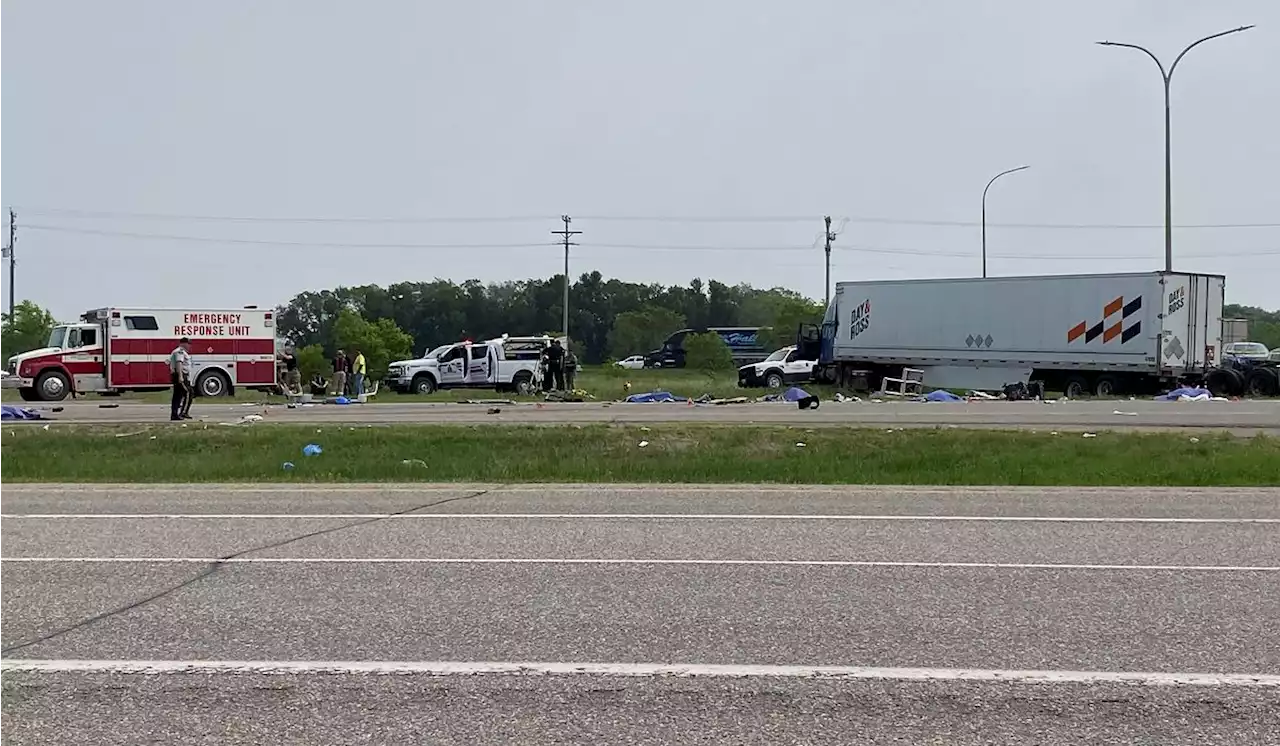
[503, 364]
[784, 366]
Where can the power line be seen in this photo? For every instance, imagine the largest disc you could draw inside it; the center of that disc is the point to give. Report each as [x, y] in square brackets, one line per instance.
[104, 214]
[741, 219]
[627, 246]
[301, 244]
[917, 222]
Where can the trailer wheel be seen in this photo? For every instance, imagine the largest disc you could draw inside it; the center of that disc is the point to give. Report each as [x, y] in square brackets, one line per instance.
[423, 384]
[1075, 387]
[773, 379]
[1263, 382]
[52, 386]
[1224, 382]
[1106, 386]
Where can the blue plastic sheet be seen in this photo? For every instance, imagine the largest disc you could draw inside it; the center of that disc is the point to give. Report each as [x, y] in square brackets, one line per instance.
[1191, 391]
[795, 394]
[12, 412]
[653, 397]
[941, 395]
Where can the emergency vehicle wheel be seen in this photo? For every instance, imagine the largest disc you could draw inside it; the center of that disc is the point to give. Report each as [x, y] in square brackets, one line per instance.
[773, 380]
[28, 394]
[52, 386]
[212, 383]
[423, 384]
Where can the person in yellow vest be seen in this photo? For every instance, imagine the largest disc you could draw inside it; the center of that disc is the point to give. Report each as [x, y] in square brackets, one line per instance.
[358, 370]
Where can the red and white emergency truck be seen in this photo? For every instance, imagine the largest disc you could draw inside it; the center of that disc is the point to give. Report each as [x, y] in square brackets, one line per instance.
[111, 350]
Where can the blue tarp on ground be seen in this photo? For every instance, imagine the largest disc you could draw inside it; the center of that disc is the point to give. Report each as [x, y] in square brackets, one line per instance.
[941, 395]
[795, 394]
[1190, 391]
[11, 412]
[652, 397]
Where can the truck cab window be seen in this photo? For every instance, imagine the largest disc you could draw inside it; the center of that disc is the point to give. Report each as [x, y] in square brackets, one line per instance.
[478, 352]
[453, 354]
[141, 323]
[82, 338]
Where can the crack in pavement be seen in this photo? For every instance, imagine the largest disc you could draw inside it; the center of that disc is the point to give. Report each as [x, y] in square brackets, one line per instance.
[220, 563]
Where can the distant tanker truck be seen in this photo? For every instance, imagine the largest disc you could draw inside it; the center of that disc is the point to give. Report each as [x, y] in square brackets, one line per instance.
[1079, 334]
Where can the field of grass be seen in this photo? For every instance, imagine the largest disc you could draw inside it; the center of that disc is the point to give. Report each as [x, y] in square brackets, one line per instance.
[672, 453]
[601, 382]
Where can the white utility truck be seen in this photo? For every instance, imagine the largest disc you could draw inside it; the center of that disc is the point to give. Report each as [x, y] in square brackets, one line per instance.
[503, 364]
[1102, 334]
[782, 367]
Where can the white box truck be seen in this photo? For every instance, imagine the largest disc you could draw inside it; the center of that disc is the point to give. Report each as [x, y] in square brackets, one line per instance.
[1078, 334]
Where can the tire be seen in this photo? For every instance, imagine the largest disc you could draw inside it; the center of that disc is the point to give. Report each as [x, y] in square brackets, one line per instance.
[28, 394]
[773, 379]
[423, 384]
[523, 383]
[1106, 386]
[1263, 382]
[1224, 382]
[52, 386]
[1075, 387]
[213, 383]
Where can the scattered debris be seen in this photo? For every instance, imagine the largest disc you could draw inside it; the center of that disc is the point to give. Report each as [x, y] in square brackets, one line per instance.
[1089, 435]
[981, 395]
[508, 402]
[644, 429]
[311, 449]
[1195, 440]
[842, 398]
[108, 406]
[800, 444]
[287, 465]
[495, 410]
[1126, 414]
[644, 444]
[414, 462]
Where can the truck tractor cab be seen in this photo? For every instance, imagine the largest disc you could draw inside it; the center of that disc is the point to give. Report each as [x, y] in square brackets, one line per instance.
[49, 373]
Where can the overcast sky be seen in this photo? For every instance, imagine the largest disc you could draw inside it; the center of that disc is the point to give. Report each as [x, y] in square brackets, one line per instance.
[741, 109]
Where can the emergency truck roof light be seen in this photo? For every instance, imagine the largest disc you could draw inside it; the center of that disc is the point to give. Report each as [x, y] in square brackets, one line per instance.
[250, 308]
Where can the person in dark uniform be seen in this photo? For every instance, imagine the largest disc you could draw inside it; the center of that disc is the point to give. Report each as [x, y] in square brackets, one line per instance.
[555, 366]
[180, 375]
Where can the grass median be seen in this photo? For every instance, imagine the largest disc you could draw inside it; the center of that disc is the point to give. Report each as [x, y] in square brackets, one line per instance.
[660, 453]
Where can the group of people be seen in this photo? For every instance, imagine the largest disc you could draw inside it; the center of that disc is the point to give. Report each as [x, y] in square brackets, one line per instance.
[348, 377]
[559, 367]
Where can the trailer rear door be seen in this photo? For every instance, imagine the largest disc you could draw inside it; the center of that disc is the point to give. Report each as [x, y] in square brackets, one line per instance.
[1191, 330]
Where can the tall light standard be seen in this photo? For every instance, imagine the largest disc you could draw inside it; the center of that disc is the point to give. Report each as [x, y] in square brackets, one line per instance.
[984, 213]
[1168, 156]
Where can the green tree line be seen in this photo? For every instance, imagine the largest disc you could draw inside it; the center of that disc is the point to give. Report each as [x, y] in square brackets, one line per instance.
[608, 318]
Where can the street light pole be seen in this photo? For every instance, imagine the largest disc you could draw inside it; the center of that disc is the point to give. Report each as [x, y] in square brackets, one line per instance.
[1168, 145]
[984, 213]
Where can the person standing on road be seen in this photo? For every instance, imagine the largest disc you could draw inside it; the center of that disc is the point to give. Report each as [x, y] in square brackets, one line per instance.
[570, 369]
[292, 376]
[340, 373]
[555, 367]
[180, 375]
[359, 370]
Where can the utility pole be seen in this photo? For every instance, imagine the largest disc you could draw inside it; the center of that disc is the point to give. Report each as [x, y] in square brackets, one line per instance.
[8, 253]
[984, 213]
[830, 237]
[566, 234]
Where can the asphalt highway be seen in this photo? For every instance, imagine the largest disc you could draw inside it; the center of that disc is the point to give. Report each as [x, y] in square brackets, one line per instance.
[639, 615]
[1245, 417]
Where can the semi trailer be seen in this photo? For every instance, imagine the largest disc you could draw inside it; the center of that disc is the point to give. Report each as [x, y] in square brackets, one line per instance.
[1103, 334]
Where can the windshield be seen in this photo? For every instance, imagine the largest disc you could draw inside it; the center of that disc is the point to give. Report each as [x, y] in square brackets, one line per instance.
[778, 355]
[1249, 348]
[436, 352]
[58, 337]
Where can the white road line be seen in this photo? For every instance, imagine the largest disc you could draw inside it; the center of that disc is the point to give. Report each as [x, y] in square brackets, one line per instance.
[595, 561]
[641, 670]
[617, 516]
[656, 488]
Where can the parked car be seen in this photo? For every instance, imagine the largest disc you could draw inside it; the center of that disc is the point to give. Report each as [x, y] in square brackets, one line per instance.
[1255, 351]
[635, 362]
[1275, 355]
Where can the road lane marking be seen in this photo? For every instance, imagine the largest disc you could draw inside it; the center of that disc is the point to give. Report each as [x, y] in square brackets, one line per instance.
[641, 670]
[592, 488]
[602, 561]
[621, 517]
